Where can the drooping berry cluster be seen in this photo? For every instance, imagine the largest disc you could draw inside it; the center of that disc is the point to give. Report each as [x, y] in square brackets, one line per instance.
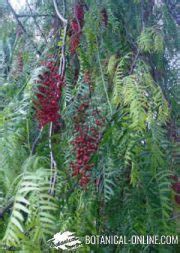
[85, 143]
[48, 95]
[176, 188]
[76, 27]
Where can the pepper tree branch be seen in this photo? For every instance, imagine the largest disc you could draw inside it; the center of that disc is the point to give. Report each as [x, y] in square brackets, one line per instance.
[53, 178]
[36, 15]
[63, 57]
[103, 78]
[134, 62]
[36, 141]
[21, 25]
[35, 21]
[65, 23]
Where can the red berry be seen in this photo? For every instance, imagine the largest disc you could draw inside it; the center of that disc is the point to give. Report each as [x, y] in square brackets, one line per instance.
[75, 26]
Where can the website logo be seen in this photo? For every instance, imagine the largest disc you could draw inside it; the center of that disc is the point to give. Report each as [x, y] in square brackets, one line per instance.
[65, 241]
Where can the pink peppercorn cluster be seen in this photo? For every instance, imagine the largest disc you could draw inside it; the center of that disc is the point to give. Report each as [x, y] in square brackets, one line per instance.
[48, 95]
[85, 143]
[76, 27]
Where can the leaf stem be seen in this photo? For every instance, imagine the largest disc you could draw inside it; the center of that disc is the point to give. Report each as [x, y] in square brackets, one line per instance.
[103, 79]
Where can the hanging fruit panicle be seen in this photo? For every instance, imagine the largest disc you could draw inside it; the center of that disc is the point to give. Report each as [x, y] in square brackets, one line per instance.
[48, 95]
[79, 13]
[86, 142]
[76, 27]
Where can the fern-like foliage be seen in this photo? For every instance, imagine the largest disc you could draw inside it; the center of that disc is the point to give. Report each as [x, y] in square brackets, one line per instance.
[125, 67]
[32, 213]
[151, 40]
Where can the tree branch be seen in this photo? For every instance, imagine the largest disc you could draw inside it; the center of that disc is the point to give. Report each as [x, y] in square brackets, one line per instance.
[35, 21]
[33, 15]
[62, 65]
[36, 141]
[103, 79]
[64, 21]
[134, 61]
[53, 178]
[21, 25]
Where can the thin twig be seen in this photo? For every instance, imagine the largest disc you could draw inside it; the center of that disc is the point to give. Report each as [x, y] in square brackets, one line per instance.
[134, 62]
[33, 15]
[36, 23]
[103, 80]
[175, 217]
[64, 8]
[22, 27]
[36, 141]
[64, 21]
[62, 65]
[53, 178]
[142, 15]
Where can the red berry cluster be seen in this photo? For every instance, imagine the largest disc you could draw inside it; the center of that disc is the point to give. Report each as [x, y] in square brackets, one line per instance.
[79, 12]
[48, 95]
[176, 188]
[76, 27]
[85, 143]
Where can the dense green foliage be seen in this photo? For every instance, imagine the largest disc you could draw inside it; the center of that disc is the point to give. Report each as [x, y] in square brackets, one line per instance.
[128, 53]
